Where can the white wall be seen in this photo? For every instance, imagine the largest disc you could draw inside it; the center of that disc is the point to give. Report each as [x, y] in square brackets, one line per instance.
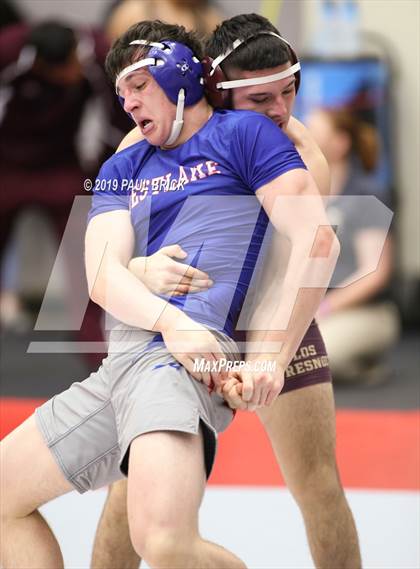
[398, 21]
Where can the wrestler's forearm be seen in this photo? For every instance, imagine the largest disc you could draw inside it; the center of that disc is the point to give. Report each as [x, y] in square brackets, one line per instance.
[126, 298]
[283, 318]
[109, 245]
[278, 327]
[291, 298]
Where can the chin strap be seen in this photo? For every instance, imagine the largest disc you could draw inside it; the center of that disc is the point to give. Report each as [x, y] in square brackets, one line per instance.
[179, 119]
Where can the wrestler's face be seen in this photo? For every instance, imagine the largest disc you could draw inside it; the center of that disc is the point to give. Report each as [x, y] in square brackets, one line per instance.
[147, 103]
[275, 100]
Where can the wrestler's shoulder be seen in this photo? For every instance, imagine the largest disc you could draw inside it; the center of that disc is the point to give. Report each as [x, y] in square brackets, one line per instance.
[136, 148]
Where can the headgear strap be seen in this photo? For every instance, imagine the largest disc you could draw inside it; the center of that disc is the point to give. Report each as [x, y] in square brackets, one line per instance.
[133, 67]
[259, 80]
[222, 85]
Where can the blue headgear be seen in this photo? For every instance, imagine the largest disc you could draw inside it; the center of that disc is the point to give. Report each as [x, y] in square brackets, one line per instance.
[176, 70]
[180, 70]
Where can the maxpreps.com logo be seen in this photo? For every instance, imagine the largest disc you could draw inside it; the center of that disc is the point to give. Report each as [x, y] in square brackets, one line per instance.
[169, 183]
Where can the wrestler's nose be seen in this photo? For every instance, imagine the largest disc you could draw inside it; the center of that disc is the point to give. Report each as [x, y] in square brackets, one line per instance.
[131, 102]
[280, 106]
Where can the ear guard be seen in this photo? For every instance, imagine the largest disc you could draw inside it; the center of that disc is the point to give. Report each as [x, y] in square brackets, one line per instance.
[217, 97]
[173, 66]
[180, 70]
[217, 85]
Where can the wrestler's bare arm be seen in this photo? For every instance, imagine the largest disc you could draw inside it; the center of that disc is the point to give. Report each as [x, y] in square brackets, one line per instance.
[279, 248]
[286, 303]
[310, 153]
[295, 220]
[109, 245]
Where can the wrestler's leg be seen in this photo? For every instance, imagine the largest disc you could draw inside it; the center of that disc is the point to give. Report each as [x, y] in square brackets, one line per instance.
[29, 478]
[166, 481]
[112, 547]
[301, 428]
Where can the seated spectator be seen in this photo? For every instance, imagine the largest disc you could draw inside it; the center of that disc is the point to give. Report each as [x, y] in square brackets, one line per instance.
[359, 322]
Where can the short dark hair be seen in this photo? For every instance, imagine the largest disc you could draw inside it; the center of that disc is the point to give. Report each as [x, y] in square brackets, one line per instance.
[53, 41]
[262, 52]
[123, 54]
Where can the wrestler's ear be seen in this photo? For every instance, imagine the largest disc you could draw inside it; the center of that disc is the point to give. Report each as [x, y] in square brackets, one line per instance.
[218, 98]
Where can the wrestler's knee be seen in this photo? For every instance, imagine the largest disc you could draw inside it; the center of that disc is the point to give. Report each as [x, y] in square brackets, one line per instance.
[157, 538]
[160, 546]
[320, 487]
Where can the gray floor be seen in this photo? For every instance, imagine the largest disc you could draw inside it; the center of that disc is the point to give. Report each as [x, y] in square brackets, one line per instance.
[262, 525]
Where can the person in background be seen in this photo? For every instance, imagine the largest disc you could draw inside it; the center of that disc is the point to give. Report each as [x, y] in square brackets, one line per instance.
[198, 15]
[10, 307]
[359, 322]
[48, 73]
[9, 14]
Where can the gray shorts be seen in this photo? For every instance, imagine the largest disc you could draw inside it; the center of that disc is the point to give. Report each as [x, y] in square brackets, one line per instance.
[139, 388]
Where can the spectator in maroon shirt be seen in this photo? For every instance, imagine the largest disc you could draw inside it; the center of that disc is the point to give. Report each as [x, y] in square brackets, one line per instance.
[48, 74]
